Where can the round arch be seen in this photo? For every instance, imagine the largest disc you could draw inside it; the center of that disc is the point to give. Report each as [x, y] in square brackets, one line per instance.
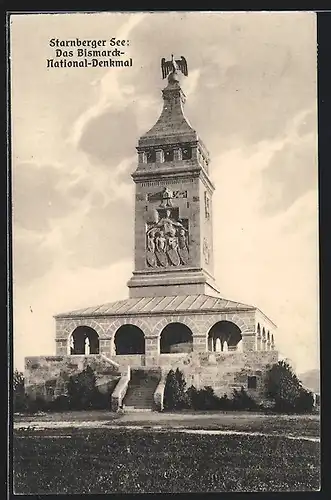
[83, 340]
[176, 338]
[129, 339]
[228, 333]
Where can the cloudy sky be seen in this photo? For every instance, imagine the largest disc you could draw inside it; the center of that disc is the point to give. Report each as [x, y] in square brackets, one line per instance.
[251, 95]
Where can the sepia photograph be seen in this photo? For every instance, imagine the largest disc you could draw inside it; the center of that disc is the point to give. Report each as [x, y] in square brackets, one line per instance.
[165, 252]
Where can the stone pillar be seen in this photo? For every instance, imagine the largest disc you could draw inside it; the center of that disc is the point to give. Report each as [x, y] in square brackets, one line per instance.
[248, 341]
[159, 156]
[258, 342]
[200, 343]
[61, 347]
[141, 157]
[152, 346]
[177, 154]
[105, 347]
[264, 344]
[194, 153]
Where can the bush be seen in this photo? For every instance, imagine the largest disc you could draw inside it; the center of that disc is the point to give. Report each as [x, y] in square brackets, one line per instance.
[285, 390]
[175, 396]
[206, 399]
[242, 401]
[19, 397]
[82, 390]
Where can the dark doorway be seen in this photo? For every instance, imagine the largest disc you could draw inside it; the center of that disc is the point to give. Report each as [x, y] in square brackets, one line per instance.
[129, 339]
[176, 338]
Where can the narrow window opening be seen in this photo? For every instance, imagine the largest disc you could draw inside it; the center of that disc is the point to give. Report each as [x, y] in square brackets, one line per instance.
[251, 382]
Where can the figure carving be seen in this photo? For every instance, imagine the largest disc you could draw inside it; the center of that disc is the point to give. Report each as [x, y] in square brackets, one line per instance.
[87, 346]
[167, 243]
[206, 251]
[207, 206]
[166, 197]
[150, 255]
[182, 246]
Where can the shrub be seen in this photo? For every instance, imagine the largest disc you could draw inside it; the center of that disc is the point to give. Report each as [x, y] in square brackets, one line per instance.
[19, 397]
[242, 401]
[175, 396]
[81, 389]
[285, 390]
[206, 399]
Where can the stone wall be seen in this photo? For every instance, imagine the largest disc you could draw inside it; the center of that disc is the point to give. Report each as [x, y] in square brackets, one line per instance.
[46, 376]
[223, 371]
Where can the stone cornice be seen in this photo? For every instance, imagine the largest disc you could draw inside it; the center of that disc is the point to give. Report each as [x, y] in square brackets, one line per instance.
[174, 172]
[183, 312]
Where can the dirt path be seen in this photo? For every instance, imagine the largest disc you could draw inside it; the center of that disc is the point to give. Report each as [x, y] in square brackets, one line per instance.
[291, 426]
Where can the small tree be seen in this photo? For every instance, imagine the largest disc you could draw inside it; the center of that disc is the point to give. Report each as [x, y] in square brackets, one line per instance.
[175, 396]
[81, 389]
[19, 399]
[285, 389]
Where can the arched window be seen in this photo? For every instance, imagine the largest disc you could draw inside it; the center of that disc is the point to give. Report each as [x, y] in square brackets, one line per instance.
[168, 154]
[151, 156]
[129, 339]
[82, 337]
[176, 338]
[186, 153]
[228, 333]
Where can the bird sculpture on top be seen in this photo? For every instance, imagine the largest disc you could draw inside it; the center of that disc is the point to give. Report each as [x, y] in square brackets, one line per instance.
[171, 68]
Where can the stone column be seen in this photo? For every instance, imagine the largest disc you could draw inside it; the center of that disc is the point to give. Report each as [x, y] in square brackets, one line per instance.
[141, 157]
[200, 343]
[177, 154]
[61, 347]
[258, 342]
[248, 341]
[152, 350]
[264, 344]
[105, 347]
[159, 156]
[194, 153]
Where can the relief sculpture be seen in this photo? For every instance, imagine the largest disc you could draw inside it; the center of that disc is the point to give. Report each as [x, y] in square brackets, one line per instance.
[167, 243]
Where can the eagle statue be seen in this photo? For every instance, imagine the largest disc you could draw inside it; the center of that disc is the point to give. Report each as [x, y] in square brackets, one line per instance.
[171, 67]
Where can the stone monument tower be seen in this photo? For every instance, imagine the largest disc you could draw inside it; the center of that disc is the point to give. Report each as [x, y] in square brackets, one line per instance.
[173, 211]
[174, 316]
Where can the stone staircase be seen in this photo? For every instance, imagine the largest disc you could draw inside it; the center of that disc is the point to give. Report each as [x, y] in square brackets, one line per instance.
[141, 388]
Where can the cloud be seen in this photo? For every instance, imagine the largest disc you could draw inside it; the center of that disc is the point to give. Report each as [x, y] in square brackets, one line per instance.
[37, 195]
[36, 304]
[110, 92]
[103, 138]
[105, 236]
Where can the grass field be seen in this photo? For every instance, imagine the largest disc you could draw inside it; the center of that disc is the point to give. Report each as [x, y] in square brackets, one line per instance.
[297, 425]
[146, 461]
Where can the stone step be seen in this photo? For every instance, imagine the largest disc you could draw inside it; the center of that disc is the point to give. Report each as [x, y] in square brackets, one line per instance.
[135, 409]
